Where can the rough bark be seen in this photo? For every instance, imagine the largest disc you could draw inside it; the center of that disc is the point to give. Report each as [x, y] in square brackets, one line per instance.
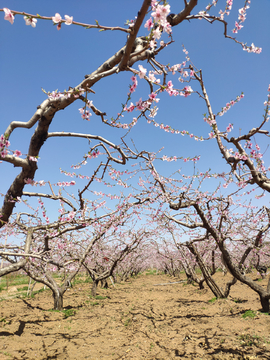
[58, 300]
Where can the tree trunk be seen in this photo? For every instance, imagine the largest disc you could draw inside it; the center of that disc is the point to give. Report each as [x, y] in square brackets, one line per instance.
[228, 286]
[207, 276]
[58, 297]
[265, 303]
[94, 288]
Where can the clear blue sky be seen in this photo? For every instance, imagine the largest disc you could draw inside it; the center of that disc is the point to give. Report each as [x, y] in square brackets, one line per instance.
[43, 57]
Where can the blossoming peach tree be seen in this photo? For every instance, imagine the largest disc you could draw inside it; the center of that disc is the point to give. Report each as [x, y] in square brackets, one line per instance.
[148, 36]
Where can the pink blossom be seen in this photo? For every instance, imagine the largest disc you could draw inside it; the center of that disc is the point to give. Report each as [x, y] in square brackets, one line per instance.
[57, 18]
[149, 24]
[8, 15]
[133, 88]
[152, 44]
[170, 84]
[89, 103]
[29, 181]
[151, 76]
[188, 91]
[156, 15]
[131, 107]
[237, 27]
[185, 74]
[69, 20]
[161, 12]
[30, 21]
[4, 153]
[142, 72]
[167, 27]
[157, 33]
[17, 153]
[33, 158]
[134, 79]
[152, 96]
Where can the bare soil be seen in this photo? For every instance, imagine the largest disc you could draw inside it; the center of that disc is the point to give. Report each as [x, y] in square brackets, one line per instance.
[136, 320]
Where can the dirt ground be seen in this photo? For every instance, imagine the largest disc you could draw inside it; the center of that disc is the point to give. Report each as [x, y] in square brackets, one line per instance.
[136, 320]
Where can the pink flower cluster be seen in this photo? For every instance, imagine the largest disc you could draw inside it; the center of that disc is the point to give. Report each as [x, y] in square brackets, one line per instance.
[4, 144]
[135, 83]
[67, 94]
[66, 183]
[43, 211]
[159, 14]
[208, 7]
[92, 155]
[85, 114]
[168, 128]
[237, 27]
[229, 128]
[57, 19]
[169, 159]
[29, 20]
[241, 18]
[227, 10]
[35, 183]
[252, 49]
[230, 104]
[172, 92]
[240, 156]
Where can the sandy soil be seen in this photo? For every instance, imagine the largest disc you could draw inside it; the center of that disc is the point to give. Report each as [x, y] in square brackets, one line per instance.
[136, 320]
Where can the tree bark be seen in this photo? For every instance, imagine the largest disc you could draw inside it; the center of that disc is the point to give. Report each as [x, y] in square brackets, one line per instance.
[265, 303]
[94, 288]
[58, 298]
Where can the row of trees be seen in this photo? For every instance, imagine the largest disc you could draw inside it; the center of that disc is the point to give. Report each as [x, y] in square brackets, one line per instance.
[110, 234]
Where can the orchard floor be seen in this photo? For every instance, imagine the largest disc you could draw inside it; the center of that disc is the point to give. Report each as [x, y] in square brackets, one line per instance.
[136, 320]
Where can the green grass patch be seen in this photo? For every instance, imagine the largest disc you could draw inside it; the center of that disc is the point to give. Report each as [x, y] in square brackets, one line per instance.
[94, 303]
[18, 280]
[212, 300]
[24, 288]
[249, 314]
[68, 312]
[249, 340]
[97, 297]
[127, 322]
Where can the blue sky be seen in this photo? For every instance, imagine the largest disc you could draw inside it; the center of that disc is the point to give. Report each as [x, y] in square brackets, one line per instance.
[43, 57]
